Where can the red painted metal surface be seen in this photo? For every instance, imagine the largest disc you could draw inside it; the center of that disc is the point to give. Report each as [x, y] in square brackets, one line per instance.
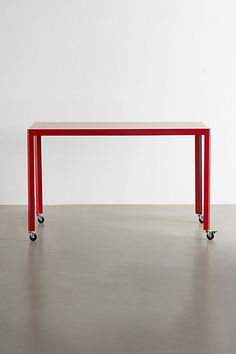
[37, 130]
[207, 173]
[38, 175]
[114, 128]
[31, 199]
[198, 174]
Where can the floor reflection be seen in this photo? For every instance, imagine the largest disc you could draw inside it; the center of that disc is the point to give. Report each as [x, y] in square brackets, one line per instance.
[190, 330]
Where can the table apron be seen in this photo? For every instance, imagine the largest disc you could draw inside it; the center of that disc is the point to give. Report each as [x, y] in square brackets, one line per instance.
[117, 132]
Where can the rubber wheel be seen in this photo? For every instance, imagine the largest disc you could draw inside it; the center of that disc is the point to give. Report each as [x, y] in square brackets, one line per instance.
[210, 235]
[201, 219]
[32, 236]
[41, 219]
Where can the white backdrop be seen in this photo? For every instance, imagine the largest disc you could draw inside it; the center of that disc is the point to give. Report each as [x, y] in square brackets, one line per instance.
[109, 60]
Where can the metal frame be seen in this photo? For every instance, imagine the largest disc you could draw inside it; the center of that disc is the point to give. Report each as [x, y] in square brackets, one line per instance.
[35, 193]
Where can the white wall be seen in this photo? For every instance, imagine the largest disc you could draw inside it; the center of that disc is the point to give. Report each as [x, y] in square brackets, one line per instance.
[109, 60]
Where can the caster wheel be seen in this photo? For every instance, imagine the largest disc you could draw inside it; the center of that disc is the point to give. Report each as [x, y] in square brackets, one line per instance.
[210, 235]
[40, 219]
[32, 236]
[201, 219]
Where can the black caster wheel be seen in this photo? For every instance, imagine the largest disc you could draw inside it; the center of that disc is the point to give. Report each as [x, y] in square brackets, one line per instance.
[201, 219]
[40, 219]
[32, 236]
[210, 235]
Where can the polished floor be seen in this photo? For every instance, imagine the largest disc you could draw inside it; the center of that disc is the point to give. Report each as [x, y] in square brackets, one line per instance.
[117, 279]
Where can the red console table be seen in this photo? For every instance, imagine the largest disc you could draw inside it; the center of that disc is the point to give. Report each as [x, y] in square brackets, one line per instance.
[197, 129]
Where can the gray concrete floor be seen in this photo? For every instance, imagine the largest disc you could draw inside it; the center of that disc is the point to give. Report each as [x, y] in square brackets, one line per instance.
[117, 279]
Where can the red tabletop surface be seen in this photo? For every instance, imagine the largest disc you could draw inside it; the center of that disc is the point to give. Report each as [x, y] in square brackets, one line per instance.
[117, 128]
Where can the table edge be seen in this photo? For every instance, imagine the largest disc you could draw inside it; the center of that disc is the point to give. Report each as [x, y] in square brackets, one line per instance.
[119, 131]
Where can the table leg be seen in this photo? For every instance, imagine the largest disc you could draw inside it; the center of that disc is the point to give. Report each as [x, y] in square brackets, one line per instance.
[198, 174]
[31, 199]
[38, 175]
[207, 172]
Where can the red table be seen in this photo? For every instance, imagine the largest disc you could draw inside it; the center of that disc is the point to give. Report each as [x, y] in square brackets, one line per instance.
[197, 129]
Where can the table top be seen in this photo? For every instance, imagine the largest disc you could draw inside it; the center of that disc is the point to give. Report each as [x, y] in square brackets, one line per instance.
[118, 128]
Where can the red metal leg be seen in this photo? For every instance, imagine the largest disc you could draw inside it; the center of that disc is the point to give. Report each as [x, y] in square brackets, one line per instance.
[207, 172]
[38, 175]
[31, 206]
[198, 174]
